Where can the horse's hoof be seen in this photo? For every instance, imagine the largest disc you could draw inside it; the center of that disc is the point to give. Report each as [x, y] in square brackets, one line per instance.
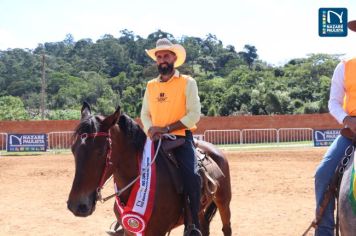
[115, 230]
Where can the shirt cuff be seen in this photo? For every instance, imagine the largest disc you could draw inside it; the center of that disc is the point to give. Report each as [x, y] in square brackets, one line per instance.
[186, 122]
[190, 121]
[341, 118]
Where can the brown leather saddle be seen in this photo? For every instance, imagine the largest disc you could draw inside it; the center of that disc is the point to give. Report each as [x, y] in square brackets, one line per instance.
[209, 171]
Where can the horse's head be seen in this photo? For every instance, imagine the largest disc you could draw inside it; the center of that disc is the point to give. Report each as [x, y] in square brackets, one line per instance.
[92, 150]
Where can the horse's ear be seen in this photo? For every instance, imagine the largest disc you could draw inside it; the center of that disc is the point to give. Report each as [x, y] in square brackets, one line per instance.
[118, 108]
[112, 119]
[86, 111]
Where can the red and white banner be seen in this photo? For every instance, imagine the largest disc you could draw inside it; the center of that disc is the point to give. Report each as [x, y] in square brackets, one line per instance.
[137, 212]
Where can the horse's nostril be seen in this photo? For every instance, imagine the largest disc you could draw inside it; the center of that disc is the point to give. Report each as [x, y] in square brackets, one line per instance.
[83, 208]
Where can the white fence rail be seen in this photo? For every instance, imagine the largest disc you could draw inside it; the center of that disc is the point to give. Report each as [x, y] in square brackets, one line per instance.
[223, 136]
[3, 141]
[60, 140]
[295, 134]
[63, 140]
[259, 136]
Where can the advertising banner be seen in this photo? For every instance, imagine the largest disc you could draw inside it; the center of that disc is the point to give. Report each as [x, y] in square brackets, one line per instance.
[325, 137]
[27, 142]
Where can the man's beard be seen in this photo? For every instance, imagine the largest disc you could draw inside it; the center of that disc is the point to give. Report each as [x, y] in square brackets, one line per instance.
[167, 70]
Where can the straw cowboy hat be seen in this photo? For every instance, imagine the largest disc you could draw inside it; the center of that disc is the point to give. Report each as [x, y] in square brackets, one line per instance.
[352, 25]
[165, 44]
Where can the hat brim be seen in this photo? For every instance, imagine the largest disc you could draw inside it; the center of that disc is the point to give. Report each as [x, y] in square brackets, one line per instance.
[352, 25]
[175, 48]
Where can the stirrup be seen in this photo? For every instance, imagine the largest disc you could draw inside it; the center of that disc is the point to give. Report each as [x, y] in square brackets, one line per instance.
[191, 230]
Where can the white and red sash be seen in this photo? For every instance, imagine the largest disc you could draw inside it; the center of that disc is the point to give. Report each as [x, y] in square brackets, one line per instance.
[137, 212]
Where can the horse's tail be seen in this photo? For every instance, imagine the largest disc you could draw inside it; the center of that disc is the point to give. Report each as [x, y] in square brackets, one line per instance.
[210, 212]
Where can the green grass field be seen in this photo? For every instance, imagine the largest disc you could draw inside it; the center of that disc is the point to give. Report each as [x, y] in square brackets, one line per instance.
[228, 147]
[231, 147]
[56, 151]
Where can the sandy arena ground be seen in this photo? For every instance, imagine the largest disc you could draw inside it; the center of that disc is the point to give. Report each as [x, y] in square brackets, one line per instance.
[272, 195]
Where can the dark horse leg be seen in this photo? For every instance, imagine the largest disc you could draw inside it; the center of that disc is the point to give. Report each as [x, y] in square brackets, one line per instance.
[206, 218]
[225, 215]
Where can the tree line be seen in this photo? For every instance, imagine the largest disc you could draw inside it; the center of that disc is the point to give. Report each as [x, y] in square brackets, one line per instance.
[114, 71]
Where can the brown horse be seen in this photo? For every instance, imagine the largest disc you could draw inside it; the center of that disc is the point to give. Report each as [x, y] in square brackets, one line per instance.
[105, 146]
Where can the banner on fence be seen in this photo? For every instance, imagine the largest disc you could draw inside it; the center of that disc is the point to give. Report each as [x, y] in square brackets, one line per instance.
[325, 137]
[26, 142]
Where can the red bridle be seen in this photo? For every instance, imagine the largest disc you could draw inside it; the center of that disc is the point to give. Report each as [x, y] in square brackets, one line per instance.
[83, 137]
[108, 162]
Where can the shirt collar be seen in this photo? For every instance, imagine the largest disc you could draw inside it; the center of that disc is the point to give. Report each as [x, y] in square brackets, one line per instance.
[176, 75]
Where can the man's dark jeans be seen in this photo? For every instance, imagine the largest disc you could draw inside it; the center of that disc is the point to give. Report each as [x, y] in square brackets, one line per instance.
[189, 170]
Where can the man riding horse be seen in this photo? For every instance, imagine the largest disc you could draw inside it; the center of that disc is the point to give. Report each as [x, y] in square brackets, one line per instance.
[342, 106]
[148, 191]
[171, 105]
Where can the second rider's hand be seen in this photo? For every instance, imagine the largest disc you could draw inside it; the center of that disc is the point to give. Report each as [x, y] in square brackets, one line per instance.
[350, 122]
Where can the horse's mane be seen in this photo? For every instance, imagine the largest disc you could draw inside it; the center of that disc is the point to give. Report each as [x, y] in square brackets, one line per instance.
[132, 131]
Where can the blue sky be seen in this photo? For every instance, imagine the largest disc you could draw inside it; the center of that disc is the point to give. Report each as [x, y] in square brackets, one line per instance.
[279, 29]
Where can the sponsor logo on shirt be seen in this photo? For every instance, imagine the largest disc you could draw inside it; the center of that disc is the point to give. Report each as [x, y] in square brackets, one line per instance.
[162, 97]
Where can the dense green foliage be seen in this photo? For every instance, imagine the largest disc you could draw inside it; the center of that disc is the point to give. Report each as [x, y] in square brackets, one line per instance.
[114, 71]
